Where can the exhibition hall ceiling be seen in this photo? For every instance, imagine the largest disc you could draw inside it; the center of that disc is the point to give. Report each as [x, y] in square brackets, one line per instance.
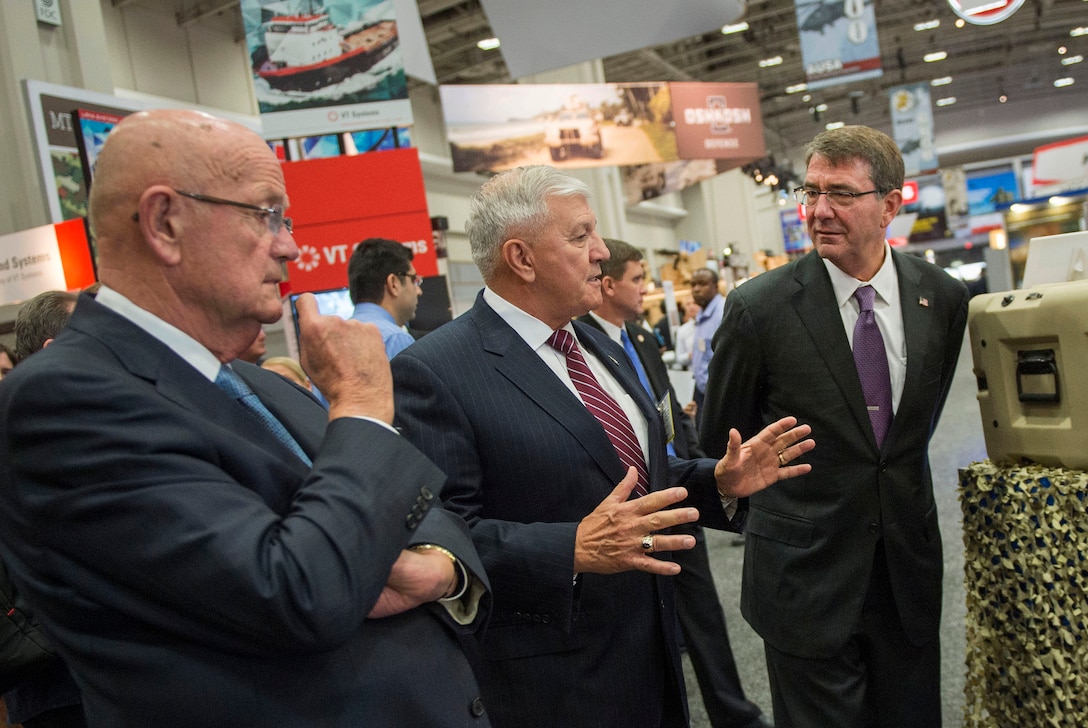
[1019, 59]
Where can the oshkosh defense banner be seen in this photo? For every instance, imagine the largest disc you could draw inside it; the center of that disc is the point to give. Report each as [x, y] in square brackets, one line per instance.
[496, 127]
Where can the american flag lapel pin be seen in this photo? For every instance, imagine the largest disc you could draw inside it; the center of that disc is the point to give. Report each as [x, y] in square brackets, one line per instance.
[923, 302]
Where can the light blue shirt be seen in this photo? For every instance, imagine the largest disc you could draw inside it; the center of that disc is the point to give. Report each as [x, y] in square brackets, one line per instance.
[706, 325]
[395, 338]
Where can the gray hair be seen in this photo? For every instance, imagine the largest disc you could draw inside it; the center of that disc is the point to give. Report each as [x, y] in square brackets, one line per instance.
[873, 147]
[510, 204]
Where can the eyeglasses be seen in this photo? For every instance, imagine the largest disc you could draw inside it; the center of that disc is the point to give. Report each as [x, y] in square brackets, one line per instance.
[415, 278]
[836, 198]
[273, 216]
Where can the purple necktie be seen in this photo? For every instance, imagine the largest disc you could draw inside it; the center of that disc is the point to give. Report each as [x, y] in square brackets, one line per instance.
[604, 408]
[872, 363]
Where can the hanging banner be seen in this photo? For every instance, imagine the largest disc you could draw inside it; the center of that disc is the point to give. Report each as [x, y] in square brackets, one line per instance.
[326, 69]
[717, 121]
[912, 127]
[497, 127]
[379, 195]
[838, 41]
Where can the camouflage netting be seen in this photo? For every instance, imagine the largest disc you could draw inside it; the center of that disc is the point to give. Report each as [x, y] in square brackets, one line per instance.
[1025, 535]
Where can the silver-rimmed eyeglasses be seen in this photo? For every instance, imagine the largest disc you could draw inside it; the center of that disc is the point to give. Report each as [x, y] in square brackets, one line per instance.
[836, 198]
[273, 216]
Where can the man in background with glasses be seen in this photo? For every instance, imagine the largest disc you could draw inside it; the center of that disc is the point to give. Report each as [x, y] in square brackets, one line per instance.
[385, 290]
[843, 565]
[202, 542]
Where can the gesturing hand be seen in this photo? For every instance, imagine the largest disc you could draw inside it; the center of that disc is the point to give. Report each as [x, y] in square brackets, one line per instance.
[610, 539]
[752, 466]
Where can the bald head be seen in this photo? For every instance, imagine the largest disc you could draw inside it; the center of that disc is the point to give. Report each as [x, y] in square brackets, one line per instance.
[177, 148]
[187, 213]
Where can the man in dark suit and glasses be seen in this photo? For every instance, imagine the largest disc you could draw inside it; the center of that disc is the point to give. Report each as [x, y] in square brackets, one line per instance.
[842, 569]
[191, 564]
[543, 444]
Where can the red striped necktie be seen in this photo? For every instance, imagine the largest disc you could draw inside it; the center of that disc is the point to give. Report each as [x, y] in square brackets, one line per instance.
[604, 408]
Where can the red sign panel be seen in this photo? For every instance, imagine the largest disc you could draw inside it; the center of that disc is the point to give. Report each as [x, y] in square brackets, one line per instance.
[340, 201]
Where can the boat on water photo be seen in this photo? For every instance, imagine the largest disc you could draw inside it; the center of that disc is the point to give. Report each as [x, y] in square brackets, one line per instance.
[306, 51]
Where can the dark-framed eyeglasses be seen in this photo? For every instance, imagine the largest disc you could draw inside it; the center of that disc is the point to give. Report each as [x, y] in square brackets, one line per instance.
[273, 216]
[836, 198]
[415, 278]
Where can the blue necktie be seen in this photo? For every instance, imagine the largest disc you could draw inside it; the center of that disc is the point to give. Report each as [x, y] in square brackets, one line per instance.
[229, 381]
[641, 371]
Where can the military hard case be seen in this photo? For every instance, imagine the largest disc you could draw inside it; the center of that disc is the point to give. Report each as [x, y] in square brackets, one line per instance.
[1030, 352]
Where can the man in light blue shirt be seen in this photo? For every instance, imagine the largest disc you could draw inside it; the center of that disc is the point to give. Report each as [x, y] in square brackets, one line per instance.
[704, 290]
[385, 290]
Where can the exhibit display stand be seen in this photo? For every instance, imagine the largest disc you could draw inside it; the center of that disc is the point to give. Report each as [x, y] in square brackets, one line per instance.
[1026, 576]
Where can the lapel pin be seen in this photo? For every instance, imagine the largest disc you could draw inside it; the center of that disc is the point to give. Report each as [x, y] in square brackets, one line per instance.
[641, 338]
[923, 302]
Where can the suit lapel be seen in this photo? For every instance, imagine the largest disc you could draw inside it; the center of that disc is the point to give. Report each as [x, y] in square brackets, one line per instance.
[522, 366]
[149, 359]
[914, 301]
[819, 311]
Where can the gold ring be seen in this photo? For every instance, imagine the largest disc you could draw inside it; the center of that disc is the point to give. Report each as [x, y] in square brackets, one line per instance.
[648, 543]
[781, 460]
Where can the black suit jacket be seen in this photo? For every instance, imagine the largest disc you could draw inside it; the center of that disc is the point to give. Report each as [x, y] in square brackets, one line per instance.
[192, 571]
[782, 350]
[526, 462]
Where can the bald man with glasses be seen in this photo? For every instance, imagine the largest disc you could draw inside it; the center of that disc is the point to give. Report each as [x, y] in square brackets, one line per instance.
[204, 543]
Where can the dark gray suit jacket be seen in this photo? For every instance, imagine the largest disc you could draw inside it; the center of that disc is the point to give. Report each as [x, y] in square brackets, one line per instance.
[526, 462]
[782, 350]
[192, 571]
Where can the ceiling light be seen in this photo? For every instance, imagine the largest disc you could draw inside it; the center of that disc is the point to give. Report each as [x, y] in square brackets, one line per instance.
[806, 98]
[768, 62]
[734, 28]
[488, 44]
[1002, 98]
[1077, 32]
[796, 88]
[821, 107]
[1070, 60]
[1062, 50]
[1067, 81]
[960, 22]
[942, 81]
[835, 125]
[935, 56]
[946, 101]
[928, 25]
[1058, 200]
[1019, 207]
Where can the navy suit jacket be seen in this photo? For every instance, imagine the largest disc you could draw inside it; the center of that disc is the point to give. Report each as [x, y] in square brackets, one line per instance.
[192, 571]
[526, 461]
[782, 350]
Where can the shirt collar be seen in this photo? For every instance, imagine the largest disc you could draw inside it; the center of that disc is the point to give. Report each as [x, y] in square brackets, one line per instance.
[883, 282]
[608, 327]
[177, 340]
[534, 331]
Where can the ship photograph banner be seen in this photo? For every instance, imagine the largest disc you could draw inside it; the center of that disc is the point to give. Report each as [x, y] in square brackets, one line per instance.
[326, 67]
[838, 41]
